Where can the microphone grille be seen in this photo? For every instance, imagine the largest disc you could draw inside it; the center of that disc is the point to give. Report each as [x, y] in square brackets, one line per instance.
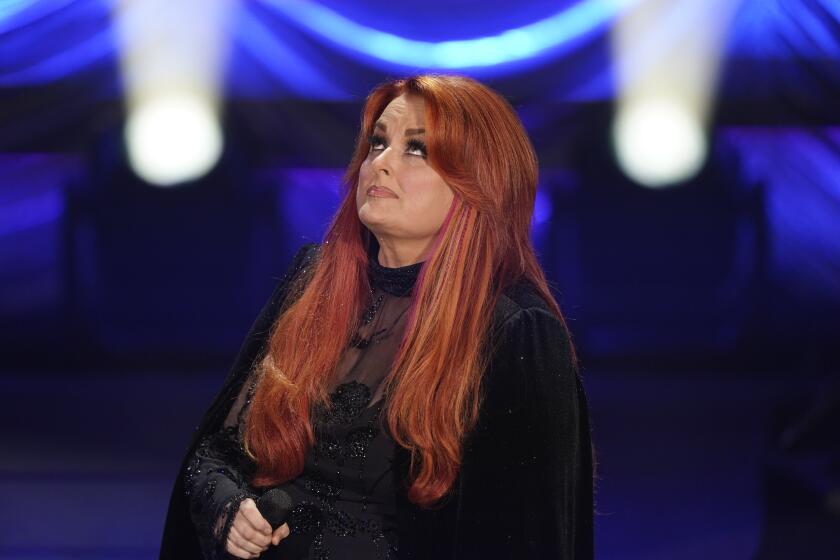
[275, 505]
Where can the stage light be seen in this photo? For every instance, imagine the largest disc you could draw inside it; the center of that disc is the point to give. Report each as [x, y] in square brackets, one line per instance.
[664, 97]
[659, 142]
[173, 139]
[172, 56]
[11, 8]
[556, 32]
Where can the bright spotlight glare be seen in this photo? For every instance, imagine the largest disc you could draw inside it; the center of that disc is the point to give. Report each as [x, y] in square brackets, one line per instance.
[659, 142]
[173, 138]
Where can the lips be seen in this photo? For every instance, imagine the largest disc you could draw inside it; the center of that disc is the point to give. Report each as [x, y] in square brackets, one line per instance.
[380, 192]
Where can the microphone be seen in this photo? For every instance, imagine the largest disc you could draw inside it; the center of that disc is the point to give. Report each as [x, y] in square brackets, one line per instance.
[275, 506]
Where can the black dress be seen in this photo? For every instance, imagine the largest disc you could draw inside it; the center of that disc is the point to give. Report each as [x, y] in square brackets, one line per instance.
[525, 483]
[344, 500]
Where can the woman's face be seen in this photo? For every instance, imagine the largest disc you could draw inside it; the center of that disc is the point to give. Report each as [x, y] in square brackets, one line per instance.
[413, 199]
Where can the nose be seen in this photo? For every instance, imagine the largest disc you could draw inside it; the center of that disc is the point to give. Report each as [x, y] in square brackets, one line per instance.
[382, 161]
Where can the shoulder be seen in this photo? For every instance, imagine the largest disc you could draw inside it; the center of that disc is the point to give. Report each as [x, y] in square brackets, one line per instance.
[520, 305]
[303, 259]
[532, 364]
[527, 338]
[304, 256]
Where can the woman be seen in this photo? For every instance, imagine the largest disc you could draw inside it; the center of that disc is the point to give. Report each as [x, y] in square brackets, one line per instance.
[411, 383]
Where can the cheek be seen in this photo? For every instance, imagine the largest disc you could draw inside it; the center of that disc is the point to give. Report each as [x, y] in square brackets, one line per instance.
[433, 199]
[444, 201]
[364, 170]
[364, 179]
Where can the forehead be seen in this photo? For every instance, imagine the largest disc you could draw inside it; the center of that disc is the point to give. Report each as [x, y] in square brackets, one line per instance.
[405, 110]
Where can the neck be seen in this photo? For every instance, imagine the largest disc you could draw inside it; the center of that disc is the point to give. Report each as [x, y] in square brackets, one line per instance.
[403, 253]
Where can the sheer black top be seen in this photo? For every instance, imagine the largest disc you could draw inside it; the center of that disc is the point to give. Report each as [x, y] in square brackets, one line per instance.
[344, 500]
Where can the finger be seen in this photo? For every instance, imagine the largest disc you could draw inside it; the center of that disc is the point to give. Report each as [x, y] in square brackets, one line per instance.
[244, 542]
[237, 551]
[254, 517]
[247, 516]
[248, 533]
[280, 533]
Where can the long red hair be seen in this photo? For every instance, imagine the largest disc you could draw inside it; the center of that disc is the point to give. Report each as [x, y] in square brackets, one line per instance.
[478, 146]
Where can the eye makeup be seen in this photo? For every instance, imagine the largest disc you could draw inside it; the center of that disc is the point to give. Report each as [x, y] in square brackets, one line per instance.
[412, 144]
[375, 139]
[417, 144]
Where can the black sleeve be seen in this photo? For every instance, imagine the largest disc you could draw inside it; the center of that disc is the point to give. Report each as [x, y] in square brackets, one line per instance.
[526, 477]
[216, 483]
[213, 476]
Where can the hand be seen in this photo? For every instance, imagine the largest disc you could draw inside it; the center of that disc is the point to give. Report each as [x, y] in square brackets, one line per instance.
[251, 534]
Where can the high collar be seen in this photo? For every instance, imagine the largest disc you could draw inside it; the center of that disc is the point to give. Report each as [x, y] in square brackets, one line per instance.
[396, 281]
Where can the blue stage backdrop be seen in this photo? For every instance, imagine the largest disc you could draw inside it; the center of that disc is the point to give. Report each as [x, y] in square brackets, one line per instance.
[102, 265]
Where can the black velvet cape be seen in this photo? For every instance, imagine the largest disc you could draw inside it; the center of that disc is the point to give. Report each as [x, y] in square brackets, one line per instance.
[525, 487]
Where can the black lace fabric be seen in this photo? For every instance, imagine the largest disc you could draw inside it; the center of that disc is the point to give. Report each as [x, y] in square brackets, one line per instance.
[344, 499]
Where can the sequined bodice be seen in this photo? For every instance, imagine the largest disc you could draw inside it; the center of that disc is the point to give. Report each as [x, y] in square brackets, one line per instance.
[344, 499]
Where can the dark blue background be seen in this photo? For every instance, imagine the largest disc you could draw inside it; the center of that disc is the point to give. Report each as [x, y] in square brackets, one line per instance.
[706, 315]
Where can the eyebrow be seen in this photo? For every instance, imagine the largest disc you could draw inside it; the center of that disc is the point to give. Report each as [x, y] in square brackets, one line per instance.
[408, 131]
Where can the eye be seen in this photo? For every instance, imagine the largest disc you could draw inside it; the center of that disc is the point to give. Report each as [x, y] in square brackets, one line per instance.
[375, 140]
[417, 145]
[377, 143]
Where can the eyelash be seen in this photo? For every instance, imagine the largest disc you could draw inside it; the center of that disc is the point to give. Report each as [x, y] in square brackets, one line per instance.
[412, 144]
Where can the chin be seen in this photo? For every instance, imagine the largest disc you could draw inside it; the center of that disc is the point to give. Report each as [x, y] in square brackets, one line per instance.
[370, 219]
